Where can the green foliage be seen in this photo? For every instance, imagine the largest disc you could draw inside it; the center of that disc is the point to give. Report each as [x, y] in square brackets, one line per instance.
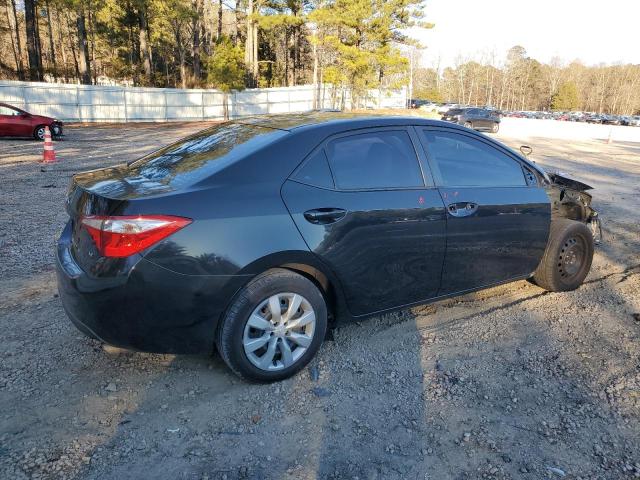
[428, 93]
[361, 37]
[566, 98]
[355, 44]
[225, 68]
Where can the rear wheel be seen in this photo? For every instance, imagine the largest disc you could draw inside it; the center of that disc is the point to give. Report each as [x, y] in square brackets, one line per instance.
[274, 327]
[495, 128]
[38, 133]
[567, 258]
[468, 124]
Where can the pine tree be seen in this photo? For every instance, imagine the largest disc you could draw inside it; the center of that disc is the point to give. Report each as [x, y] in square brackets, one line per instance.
[226, 69]
[566, 98]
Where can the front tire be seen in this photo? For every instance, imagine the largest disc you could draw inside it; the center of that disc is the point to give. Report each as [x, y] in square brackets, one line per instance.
[38, 133]
[274, 327]
[567, 258]
[468, 124]
[495, 128]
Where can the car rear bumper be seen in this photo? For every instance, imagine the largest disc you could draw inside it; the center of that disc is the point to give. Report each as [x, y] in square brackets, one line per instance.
[150, 309]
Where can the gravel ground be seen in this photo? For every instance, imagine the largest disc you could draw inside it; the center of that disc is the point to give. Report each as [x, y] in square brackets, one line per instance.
[509, 383]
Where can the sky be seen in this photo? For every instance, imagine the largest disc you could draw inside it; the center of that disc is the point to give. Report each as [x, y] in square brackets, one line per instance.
[593, 31]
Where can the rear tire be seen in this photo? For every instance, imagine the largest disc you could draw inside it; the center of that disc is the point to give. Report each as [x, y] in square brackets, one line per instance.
[495, 128]
[567, 258]
[285, 346]
[468, 124]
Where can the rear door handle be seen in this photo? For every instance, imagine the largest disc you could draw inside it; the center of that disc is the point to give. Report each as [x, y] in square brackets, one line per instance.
[462, 209]
[323, 216]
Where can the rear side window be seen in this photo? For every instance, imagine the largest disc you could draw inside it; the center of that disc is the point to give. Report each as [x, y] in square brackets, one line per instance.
[373, 160]
[315, 171]
[202, 154]
[462, 161]
[8, 111]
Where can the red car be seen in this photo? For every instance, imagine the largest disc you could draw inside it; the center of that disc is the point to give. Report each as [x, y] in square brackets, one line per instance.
[18, 123]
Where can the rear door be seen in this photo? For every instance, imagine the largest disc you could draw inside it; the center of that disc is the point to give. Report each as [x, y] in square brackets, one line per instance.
[471, 116]
[497, 215]
[365, 207]
[484, 119]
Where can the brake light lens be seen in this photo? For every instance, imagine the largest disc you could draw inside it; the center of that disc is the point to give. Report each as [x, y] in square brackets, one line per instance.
[122, 236]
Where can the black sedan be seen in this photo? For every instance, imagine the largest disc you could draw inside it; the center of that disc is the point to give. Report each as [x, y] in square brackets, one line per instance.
[257, 235]
[476, 118]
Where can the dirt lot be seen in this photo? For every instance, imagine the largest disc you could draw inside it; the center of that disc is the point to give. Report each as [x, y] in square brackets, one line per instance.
[511, 383]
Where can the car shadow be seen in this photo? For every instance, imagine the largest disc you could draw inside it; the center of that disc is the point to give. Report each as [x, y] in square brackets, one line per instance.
[499, 384]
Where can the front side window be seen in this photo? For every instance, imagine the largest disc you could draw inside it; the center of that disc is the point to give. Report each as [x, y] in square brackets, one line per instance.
[374, 160]
[463, 161]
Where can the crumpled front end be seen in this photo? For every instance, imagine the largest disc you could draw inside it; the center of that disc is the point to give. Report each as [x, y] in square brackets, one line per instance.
[569, 199]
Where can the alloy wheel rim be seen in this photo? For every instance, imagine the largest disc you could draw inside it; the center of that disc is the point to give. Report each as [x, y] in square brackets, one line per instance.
[41, 133]
[571, 258]
[279, 331]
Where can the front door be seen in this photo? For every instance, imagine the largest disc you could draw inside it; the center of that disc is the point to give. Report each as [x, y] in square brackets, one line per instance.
[497, 224]
[361, 203]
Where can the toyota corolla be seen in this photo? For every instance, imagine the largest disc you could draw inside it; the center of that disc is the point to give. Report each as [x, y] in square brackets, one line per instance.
[256, 235]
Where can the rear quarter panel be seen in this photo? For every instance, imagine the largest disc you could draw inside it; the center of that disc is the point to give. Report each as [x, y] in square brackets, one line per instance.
[239, 216]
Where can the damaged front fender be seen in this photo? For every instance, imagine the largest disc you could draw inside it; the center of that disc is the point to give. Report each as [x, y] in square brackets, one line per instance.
[569, 199]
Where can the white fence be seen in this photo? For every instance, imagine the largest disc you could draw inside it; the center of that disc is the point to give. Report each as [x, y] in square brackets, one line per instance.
[88, 103]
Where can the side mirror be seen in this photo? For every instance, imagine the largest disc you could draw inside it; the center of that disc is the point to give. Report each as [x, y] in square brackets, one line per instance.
[526, 150]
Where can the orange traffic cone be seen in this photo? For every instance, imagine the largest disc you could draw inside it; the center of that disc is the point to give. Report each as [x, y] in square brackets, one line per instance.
[49, 154]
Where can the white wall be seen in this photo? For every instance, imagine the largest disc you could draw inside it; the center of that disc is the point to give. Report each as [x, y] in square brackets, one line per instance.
[88, 103]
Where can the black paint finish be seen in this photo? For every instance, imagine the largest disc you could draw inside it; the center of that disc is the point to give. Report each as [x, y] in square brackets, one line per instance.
[254, 208]
[387, 250]
[504, 238]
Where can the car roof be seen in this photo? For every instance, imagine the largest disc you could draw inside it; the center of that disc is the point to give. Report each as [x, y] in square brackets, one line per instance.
[346, 120]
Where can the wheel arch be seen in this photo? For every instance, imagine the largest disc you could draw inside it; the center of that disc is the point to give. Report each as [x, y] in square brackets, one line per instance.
[309, 266]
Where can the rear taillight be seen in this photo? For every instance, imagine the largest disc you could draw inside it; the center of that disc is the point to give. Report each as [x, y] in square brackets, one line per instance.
[125, 235]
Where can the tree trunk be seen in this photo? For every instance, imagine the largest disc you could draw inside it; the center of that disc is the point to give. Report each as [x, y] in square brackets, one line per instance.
[248, 44]
[38, 43]
[145, 52]
[15, 41]
[62, 49]
[73, 48]
[219, 34]
[35, 60]
[84, 64]
[51, 44]
[21, 72]
[255, 72]
[225, 105]
[195, 51]
[237, 38]
[183, 69]
[92, 36]
[286, 56]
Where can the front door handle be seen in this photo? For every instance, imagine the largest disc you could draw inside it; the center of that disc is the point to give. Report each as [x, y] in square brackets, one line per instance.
[462, 209]
[323, 216]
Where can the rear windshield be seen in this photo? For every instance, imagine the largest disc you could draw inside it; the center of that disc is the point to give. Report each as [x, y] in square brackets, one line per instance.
[203, 154]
